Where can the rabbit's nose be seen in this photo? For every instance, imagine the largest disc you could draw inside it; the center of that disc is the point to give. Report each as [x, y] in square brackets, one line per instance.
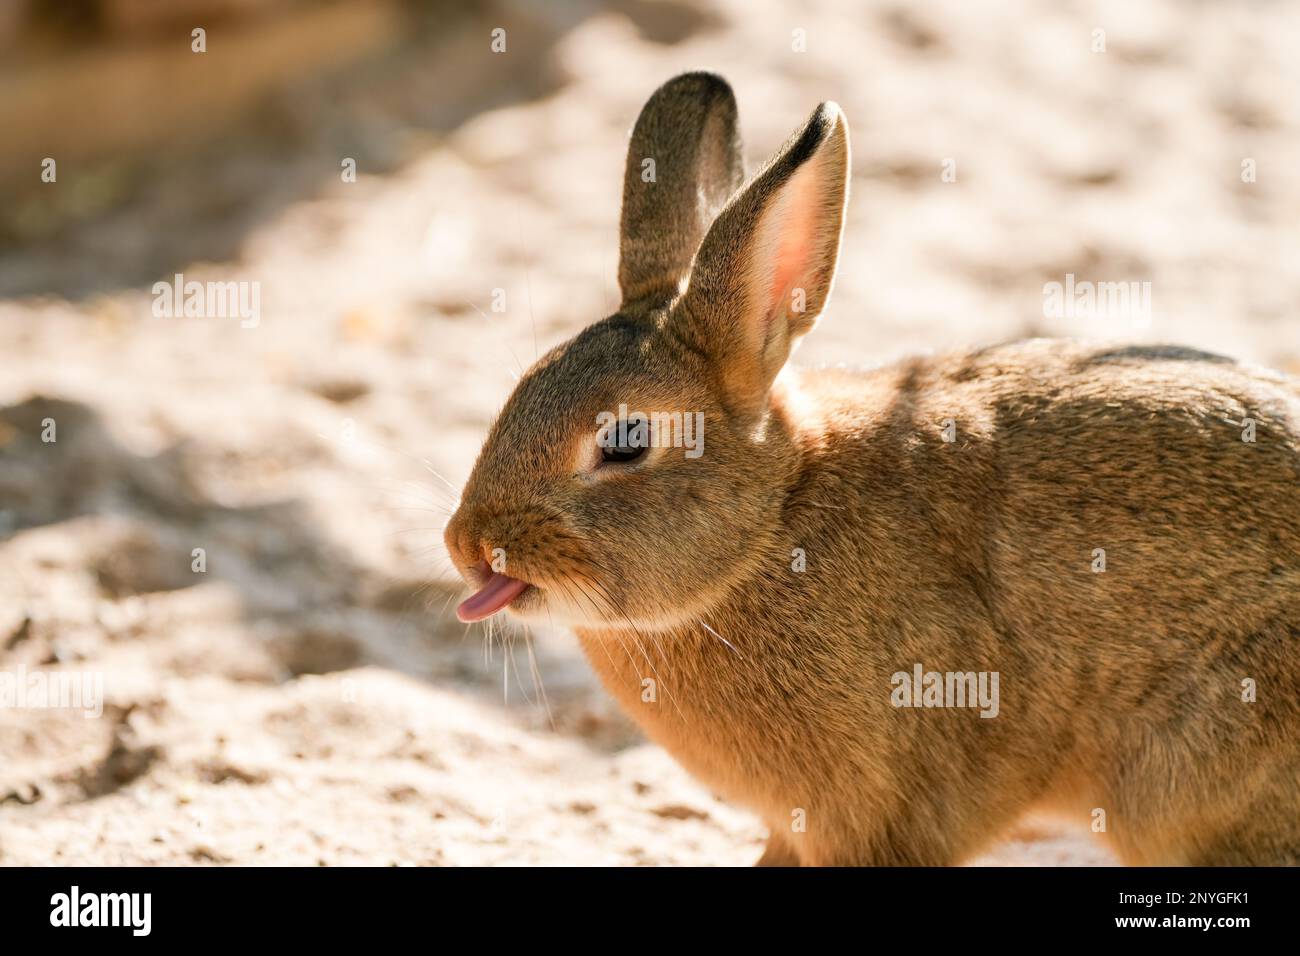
[462, 543]
[467, 544]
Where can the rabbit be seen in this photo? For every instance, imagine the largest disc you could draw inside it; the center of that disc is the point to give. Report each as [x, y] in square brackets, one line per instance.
[1088, 530]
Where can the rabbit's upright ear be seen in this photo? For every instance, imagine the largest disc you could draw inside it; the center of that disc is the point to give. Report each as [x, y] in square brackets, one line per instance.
[683, 164]
[764, 271]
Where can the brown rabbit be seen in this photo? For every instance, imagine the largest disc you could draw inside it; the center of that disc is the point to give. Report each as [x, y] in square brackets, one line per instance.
[1087, 538]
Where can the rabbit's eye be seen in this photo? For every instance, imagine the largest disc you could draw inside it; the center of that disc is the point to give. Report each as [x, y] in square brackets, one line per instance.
[625, 441]
[621, 453]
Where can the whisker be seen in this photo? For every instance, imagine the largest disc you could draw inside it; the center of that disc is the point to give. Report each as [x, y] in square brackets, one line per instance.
[618, 607]
[640, 647]
[507, 663]
[601, 611]
[537, 676]
[502, 341]
[723, 640]
[609, 599]
[528, 284]
[450, 597]
[422, 462]
[417, 492]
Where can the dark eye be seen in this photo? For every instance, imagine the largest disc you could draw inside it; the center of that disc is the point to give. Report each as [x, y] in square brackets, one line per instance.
[621, 453]
[626, 441]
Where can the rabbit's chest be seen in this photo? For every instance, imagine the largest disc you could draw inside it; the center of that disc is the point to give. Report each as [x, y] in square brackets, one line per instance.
[723, 716]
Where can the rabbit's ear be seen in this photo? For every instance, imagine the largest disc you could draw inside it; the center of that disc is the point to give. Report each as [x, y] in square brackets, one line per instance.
[683, 164]
[765, 269]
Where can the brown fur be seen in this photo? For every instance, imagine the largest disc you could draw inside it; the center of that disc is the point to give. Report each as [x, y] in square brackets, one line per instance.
[1120, 691]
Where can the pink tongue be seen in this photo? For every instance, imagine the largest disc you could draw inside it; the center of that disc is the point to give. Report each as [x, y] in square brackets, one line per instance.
[490, 598]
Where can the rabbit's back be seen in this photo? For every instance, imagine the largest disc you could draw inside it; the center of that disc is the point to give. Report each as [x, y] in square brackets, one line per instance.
[1135, 487]
[1121, 524]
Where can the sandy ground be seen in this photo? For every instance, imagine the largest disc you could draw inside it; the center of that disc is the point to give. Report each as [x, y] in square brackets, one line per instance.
[308, 697]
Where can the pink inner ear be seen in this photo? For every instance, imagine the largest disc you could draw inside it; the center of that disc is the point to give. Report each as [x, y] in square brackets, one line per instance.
[795, 224]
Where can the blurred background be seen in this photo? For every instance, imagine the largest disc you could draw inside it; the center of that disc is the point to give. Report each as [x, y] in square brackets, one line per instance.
[303, 693]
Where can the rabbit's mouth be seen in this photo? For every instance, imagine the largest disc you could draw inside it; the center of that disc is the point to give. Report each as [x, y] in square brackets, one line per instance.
[498, 591]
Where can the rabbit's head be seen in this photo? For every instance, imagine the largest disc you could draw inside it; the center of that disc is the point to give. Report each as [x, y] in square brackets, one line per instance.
[637, 471]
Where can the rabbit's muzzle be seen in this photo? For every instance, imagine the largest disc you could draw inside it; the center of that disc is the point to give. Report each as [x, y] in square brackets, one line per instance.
[502, 554]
